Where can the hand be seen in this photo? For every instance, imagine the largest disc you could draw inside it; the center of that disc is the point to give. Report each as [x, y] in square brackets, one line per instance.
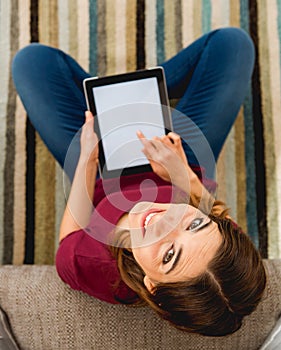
[166, 156]
[89, 140]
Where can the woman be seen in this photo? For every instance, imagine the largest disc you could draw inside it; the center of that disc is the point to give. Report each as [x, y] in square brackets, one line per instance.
[158, 238]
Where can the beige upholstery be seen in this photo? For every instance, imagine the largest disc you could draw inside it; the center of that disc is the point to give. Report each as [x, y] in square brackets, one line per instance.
[46, 314]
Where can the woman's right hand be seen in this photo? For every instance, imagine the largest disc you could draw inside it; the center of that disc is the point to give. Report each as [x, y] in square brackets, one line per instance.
[89, 140]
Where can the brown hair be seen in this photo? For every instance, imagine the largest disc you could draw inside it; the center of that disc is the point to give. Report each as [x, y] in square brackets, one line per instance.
[213, 303]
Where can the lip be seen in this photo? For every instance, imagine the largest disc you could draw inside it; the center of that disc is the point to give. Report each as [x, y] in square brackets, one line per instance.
[153, 210]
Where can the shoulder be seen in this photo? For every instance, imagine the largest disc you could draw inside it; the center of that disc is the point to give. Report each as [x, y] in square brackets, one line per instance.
[80, 256]
[87, 265]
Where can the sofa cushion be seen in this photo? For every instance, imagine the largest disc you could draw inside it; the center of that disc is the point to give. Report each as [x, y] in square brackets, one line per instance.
[46, 314]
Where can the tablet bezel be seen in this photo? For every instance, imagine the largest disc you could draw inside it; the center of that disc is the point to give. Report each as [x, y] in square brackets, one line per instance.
[90, 83]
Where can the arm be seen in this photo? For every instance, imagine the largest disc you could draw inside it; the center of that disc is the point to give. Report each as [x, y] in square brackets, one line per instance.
[168, 160]
[79, 205]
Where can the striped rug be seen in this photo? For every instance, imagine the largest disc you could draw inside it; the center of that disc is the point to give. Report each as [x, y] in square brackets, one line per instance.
[114, 36]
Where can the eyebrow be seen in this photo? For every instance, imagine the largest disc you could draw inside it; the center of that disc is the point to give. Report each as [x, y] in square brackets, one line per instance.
[175, 263]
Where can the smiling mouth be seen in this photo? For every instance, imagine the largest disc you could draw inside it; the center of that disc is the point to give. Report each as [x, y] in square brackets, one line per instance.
[147, 218]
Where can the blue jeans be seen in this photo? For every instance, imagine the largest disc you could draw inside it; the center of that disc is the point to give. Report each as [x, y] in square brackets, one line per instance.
[210, 79]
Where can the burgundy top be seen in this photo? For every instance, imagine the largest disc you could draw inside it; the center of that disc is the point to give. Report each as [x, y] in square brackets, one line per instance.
[83, 259]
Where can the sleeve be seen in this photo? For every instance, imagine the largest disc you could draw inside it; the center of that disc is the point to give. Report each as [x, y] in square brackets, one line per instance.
[86, 264]
[65, 259]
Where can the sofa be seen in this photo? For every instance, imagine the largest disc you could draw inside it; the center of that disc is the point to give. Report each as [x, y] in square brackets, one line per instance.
[40, 312]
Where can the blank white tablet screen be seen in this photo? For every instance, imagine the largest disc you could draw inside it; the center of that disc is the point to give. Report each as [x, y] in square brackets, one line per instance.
[122, 109]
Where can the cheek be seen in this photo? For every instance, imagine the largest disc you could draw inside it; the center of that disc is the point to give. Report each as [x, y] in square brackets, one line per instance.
[132, 220]
[141, 255]
[147, 257]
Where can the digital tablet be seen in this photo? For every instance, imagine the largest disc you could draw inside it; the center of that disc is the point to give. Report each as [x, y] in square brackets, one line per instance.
[123, 104]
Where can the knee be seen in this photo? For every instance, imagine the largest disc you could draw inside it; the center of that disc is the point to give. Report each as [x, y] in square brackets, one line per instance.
[29, 61]
[24, 58]
[236, 43]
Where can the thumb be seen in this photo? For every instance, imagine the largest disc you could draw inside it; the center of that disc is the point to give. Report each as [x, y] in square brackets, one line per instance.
[88, 116]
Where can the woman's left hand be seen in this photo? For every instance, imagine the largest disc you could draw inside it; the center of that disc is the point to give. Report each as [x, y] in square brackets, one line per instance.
[166, 156]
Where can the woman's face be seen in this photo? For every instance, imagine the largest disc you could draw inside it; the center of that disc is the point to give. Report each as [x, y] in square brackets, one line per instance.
[172, 242]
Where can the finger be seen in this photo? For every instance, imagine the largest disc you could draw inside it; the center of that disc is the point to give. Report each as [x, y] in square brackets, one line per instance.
[146, 153]
[165, 139]
[174, 137]
[141, 137]
[88, 116]
[149, 144]
[158, 139]
[158, 143]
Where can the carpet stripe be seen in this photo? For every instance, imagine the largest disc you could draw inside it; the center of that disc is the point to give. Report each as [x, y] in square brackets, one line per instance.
[73, 28]
[249, 151]
[19, 183]
[234, 20]
[45, 164]
[63, 41]
[272, 124]
[131, 33]
[187, 22]
[120, 36]
[30, 155]
[20, 150]
[240, 171]
[102, 38]
[93, 45]
[170, 31]
[230, 173]
[211, 17]
[140, 34]
[5, 23]
[93, 40]
[234, 13]
[266, 109]
[83, 33]
[206, 16]
[197, 19]
[226, 165]
[160, 38]
[278, 19]
[60, 203]
[9, 165]
[259, 132]
[150, 33]
[44, 191]
[110, 21]
[178, 26]
[220, 18]
[48, 19]
[220, 13]
[63, 14]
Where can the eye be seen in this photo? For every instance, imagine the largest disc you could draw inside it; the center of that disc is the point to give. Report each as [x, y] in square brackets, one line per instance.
[195, 223]
[168, 255]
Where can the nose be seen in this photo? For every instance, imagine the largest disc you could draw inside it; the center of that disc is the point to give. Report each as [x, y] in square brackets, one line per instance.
[162, 227]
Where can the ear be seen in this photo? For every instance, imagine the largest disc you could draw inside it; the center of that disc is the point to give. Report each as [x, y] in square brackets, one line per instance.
[149, 284]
